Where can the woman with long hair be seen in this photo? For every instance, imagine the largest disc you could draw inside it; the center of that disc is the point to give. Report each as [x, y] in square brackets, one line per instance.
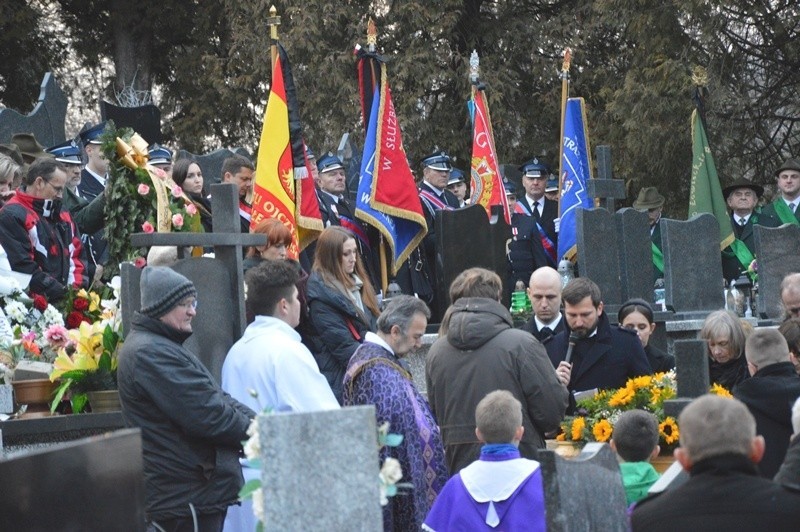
[342, 304]
[187, 174]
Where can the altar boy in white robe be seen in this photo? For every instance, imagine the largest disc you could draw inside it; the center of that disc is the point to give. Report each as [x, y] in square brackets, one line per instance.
[500, 490]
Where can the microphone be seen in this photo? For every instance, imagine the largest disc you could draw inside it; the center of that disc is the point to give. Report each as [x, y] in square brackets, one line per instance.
[573, 337]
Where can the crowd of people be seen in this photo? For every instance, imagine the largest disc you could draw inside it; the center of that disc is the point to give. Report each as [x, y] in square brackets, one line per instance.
[320, 337]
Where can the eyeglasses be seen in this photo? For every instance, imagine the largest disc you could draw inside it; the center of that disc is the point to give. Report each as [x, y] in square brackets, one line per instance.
[189, 304]
[58, 190]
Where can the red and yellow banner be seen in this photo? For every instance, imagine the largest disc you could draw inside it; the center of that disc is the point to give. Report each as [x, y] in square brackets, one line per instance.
[485, 181]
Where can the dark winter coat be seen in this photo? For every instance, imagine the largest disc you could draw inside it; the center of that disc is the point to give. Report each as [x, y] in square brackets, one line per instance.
[723, 493]
[331, 339]
[769, 395]
[660, 362]
[606, 360]
[483, 352]
[191, 430]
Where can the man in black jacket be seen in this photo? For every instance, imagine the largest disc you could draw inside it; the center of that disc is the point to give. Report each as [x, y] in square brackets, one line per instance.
[191, 430]
[603, 356]
[719, 448]
[770, 393]
[544, 292]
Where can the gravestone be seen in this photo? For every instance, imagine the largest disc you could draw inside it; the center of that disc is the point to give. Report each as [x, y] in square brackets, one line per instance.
[636, 256]
[220, 319]
[691, 372]
[598, 254]
[584, 493]
[604, 187]
[145, 119]
[692, 266]
[91, 484]
[46, 121]
[463, 241]
[210, 164]
[499, 235]
[320, 470]
[778, 252]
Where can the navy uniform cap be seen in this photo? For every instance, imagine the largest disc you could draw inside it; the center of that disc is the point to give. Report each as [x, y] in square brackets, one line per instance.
[511, 188]
[552, 185]
[159, 154]
[535, 169]
[67, 153]
[456, 176]
[329, 162]
[92, 135]
[438, 160]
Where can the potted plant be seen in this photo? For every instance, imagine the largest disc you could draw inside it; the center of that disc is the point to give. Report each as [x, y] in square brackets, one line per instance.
[88, 365]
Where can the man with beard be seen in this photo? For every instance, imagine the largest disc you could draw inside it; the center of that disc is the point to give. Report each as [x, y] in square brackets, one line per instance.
[603, 356]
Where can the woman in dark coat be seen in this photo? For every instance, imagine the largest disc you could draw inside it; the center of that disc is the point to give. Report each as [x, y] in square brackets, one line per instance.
[725, 337]
[341, 302]
[637, 315]
[187, 174]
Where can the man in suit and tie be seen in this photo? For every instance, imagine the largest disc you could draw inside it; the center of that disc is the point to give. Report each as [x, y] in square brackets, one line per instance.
[544, 292]
[92, 185]
[742, 197]
[535, 174]
[784, 208]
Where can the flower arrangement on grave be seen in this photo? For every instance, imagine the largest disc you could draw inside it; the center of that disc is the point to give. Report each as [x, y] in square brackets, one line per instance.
[390, 474]
[87, 354]
[752, 271]
[27, 324]
[595, 417]
[140, 197]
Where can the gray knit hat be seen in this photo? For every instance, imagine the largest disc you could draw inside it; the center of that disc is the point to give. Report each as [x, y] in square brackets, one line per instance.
[162, 288]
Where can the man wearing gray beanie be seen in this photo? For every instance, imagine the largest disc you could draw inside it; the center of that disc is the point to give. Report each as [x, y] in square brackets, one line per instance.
[191, 430]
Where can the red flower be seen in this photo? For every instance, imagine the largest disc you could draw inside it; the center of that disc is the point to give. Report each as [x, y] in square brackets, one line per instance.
[80, 304]
[74, 319]
[86, 319]
[140, 262]
[39, 302]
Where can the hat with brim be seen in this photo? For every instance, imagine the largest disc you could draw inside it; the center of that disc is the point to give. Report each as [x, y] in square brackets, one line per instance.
[93, 134]
[535, 169]
[552, 185]
[788, 164]
[511, 189]
[456, 176]
[67, 153]
[328, 163]
[742, 183]
[12, 150]
[29, 147]
[159, 155]
[648, 198]
[438, 160]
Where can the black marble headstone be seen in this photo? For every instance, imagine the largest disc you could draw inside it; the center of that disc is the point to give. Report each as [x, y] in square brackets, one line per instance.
[598, 254]
[585, 493]
[91, 484]
[636, 256]
[462, 241]
[145, 120]
[691, 372]
[692, 265]
[46, 121]
[778, 252]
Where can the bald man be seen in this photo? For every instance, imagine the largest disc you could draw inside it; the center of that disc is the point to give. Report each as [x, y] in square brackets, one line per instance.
[790, 296]
[544, 290]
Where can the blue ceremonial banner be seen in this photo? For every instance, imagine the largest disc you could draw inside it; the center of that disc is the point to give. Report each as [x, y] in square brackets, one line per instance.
[390, 186]
[577, 170]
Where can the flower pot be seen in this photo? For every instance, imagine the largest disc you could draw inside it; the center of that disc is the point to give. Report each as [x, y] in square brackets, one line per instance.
[37, 394]
[662, 462]
[104, 401]
[565, 449]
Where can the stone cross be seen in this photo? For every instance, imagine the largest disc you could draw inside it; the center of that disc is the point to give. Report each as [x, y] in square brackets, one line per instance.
[219, 281]
[605, 187]
[46, 121]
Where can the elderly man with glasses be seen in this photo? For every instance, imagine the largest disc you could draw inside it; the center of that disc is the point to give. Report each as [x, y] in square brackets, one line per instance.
[40, 237]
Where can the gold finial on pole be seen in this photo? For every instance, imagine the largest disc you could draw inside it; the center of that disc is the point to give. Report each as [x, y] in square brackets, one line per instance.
[372, 35]
[565, 64]
[699, 76]
[273, 21]
[564, 96]
[474, 67]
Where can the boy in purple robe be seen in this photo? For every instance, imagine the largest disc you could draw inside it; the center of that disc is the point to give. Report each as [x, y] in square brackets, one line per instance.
[376, 376]
[501, 490]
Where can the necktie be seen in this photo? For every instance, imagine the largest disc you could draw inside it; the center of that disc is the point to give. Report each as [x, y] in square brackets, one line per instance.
[792, 206]
[742, 222]
[546, 333]
[536, 209]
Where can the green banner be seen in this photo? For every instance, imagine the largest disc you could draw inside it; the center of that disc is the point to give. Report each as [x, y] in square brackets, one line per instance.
[706, 193]
[658, 258]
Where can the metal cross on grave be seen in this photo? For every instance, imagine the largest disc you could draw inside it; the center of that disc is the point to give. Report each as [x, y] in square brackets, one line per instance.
[604, 187]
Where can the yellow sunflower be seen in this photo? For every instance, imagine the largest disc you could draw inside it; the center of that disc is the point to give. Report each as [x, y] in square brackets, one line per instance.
[717, 389]
[602, 430]
[578, 424]
[638, 383]
[622, 397]
[668, 429]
